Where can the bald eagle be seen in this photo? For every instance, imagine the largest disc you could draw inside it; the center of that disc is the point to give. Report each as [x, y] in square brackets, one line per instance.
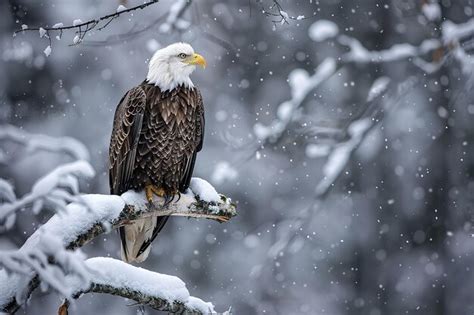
[158, 129]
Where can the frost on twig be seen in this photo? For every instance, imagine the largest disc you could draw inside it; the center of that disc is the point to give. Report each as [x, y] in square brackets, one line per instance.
[82, 221]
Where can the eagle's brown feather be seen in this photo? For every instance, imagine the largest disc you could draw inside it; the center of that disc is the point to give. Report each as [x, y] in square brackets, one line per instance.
[155, 138]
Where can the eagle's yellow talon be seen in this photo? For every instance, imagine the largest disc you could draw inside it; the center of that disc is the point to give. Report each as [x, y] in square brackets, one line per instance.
[160, 192]
[152, 189]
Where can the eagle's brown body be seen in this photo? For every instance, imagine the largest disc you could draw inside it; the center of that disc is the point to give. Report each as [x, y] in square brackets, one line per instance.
[155, 139]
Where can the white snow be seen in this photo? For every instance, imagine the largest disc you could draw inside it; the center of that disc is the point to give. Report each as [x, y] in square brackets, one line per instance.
[284, 16]
[137, 199]
[453, 32]
[173, 20]
[24, 27]
[62, 228]
[77, 218]
[42, 32]
[378, 87]
[204, 190]
[317, 150]
[7, 192]
[61, 175]
[223, 172]
[121, 8]
[152, 45]
[341, 154]
[118, 274]
[58, 25]
[81, 217]
[76, 39]
[35, 142]
[76, 22]
[358, 53]
[51, 189]
[301, 85]
[47, 51]
[322, 30]
[199, 305]
[432, 11]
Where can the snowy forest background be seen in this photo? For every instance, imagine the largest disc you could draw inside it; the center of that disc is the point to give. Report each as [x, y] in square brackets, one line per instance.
[343, 129]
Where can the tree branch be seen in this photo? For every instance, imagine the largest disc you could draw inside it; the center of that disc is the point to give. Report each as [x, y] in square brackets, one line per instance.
[98, 214]
[84, 27]
[158, 291]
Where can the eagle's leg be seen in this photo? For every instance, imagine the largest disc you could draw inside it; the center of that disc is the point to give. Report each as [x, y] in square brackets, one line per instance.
[152, 189]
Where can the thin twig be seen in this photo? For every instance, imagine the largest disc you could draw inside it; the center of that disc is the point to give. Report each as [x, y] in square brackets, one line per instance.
[83, 28]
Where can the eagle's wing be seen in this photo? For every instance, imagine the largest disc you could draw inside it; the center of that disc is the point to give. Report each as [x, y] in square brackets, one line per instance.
[128, 121]
[191, 160]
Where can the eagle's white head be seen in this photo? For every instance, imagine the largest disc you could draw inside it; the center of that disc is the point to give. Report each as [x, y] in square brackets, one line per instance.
[171, 66]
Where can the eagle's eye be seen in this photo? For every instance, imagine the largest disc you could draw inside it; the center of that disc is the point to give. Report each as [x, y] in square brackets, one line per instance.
[182, 55]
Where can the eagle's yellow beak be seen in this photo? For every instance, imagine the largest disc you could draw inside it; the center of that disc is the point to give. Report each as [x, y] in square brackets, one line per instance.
[197, 59]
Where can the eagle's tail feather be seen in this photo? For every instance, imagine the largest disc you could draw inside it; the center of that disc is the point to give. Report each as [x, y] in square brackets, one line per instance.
[137, 238]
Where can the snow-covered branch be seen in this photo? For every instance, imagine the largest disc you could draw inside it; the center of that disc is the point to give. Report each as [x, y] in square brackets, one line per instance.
[82, 221]
[277, 13]
[339, 156]
[359, 54]
[301, 85]
[54, 190]
[158, 291]
[37, 142]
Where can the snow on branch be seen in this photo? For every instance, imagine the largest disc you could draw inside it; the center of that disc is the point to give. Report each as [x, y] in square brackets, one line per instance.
[36, 142]
[54, 190]
[359, 54]
[460, 39]
[174, 20]
[158, 291]
[45, 256]
[82, 28]
[277, 13]
[385, 100]
[82, 221]
[301, 85]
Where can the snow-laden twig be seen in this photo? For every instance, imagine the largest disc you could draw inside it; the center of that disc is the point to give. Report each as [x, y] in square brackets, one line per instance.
[359, 54]
[340, 155]
[54, 190]
[159, 291]
[277, 13]
[37, 142]
[82, 28]
[98, 214]
[301, 85]
[452, 36]
[45, 256]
